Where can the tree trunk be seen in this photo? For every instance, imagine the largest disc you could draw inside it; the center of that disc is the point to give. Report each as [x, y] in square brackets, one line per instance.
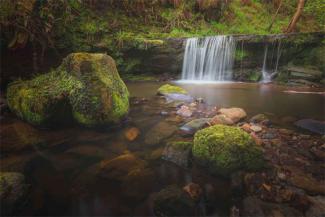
[274, 17]
[296, 16]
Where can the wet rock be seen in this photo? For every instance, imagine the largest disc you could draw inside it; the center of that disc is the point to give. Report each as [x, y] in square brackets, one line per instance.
[120, 167]
[317, 208]
[259, 118]
[155, 154]
[221, 119]
[138, 183]
[303, 180]
[19, 136]
[314, 126]
[178, 152]
[170, 89]
[184, 111]
[255, 128]
[13, 191]
[194, 125]
[132, 133]
[253, 206]
[160, 131]
[173, 201]
[224, 150]
[235, 114]
[256, 139]
[194, 191]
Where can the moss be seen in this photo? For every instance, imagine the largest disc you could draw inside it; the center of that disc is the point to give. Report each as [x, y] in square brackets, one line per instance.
[86, 84]
[226, 149]
[181, 145]
[240, 54]
[139, 77]
[168, 89]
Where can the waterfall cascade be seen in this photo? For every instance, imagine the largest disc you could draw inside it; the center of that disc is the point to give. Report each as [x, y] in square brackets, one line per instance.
[209, 59]
[270, 63]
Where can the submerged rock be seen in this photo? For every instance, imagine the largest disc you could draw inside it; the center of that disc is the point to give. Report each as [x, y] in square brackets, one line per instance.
[160, 131]
[235, 114]
[178, 152]
[170, 89]
[13, 191]
[132, 133]
[194, 125]
[259, 118]
[194, 190]
[253, 206]
[225, 149]
[312, 125]
[121, 167]
[85, 86]
[173, 201]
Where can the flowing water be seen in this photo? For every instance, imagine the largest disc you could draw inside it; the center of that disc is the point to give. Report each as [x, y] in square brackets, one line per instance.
[208, 59]
[271, 61]
[62, 165]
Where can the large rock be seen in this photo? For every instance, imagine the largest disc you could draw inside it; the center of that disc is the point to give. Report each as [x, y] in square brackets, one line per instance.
[235, 114]
[226, 149]
[173, 201]
[85, 86]
[12, 191]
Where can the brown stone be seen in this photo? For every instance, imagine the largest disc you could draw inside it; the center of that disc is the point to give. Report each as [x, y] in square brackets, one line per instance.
[132, 133]
[193, 190]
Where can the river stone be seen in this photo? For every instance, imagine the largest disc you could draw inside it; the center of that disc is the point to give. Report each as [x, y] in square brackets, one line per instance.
[235, 114]
[256, 128]
[184, 111]
[221, 119]
[178, 152]
[225, 149]
[170, 89]
[194, 125]
[12, 191]
[173, 201]
[312, 125]
[259, 118]
[159, 132]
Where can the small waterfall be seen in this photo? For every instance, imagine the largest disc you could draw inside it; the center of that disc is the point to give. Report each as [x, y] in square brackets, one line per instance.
[209, 59]
[270, 63]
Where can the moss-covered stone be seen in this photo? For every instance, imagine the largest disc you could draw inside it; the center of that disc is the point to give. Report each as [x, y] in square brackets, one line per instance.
[168, 89]
[86, 85]
[226, 149]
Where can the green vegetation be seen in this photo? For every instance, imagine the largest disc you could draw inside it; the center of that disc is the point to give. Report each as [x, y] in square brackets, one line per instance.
[226, 149]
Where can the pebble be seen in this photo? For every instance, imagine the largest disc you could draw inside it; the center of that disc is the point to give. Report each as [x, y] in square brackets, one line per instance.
[256, 128]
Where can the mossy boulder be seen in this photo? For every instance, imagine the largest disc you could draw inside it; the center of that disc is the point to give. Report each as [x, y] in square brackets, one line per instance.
[86, 87]
[170, 89]
[226, 149]
[103, 97]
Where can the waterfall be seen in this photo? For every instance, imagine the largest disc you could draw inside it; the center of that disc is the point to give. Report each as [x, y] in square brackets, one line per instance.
[209, 59]
[270, 63]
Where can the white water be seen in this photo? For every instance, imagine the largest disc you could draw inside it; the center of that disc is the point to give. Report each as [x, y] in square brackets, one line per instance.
[208, 59]
[270, 68]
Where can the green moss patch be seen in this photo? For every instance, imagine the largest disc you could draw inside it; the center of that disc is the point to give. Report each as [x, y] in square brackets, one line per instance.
[226, 149]
[168, 89]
